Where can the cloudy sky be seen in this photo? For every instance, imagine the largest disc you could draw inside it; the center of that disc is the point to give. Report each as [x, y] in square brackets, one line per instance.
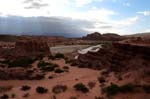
[74, 17]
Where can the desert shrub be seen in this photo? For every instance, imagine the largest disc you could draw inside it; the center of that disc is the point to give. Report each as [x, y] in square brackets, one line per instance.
[81, 87]
[101, 79]
[50, 77]
[74, 63]
[58, 70]
[39, 76]
[146, 88]
[91, 84]
[30, 71]
[68, 61]
[96, 97]
[4, 96]
[59, 55]
[105, 72]
[5, 88]
[13, 95]
[65, 67]
[25, 88]
[51, 57]
[126, 88]
[53, 97]
[40, 57]
[42, 64]
[73, 97]
[41, 90]
[47, 66]
[59, 88]
[23, 62]
[113, 89]
[26, 95]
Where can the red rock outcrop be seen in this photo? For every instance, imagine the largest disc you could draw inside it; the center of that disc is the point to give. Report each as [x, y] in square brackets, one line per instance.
[103, 37]
[32, 47]
[27, 48]
[118, 57]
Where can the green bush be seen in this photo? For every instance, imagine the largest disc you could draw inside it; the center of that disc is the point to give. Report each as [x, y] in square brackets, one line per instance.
[101, 79]
[13, 95]
[73, 97]
[59, 88]
[51, 57]
[50, 77]
[40, 76]
[65, 67]
[25, 88]
[96, 97]
[58, 70]
[23, 62]
[47, 66]
[4, 96]
[42, 64]
[59, 55]
[41, 90]
[126, 88]
[81, 87]
[113, 89]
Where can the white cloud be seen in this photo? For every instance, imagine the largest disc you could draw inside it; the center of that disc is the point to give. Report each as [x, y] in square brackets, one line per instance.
[145, 13]
[115, 26]
[146, 30]
[100, 17]
[42, 7]
[126, 22]
[80, 3]
[93, 14]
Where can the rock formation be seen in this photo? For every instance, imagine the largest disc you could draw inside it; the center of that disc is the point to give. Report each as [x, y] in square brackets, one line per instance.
[119, 54]
[121, 58]
[26, 49]
[103, 37]
[32, 48]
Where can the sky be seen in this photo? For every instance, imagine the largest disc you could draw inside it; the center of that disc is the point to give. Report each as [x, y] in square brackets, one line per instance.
[74, 17]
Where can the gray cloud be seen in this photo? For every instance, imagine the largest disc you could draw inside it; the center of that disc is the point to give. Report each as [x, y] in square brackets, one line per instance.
[30, 1]
[35, 4]
[106, 27]
[44, 26]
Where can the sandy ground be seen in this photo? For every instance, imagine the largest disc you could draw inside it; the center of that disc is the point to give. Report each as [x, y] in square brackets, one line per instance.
[75, 75]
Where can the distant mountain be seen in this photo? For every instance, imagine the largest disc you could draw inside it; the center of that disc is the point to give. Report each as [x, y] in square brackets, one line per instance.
[103, 37]
[145, 34]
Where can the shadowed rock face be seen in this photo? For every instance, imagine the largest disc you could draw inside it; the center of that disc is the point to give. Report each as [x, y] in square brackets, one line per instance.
[27, 49]
[119, 57]
[32, 48]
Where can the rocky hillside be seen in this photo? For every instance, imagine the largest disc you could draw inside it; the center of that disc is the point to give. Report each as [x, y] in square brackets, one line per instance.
[103, 37]
[120, 58]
